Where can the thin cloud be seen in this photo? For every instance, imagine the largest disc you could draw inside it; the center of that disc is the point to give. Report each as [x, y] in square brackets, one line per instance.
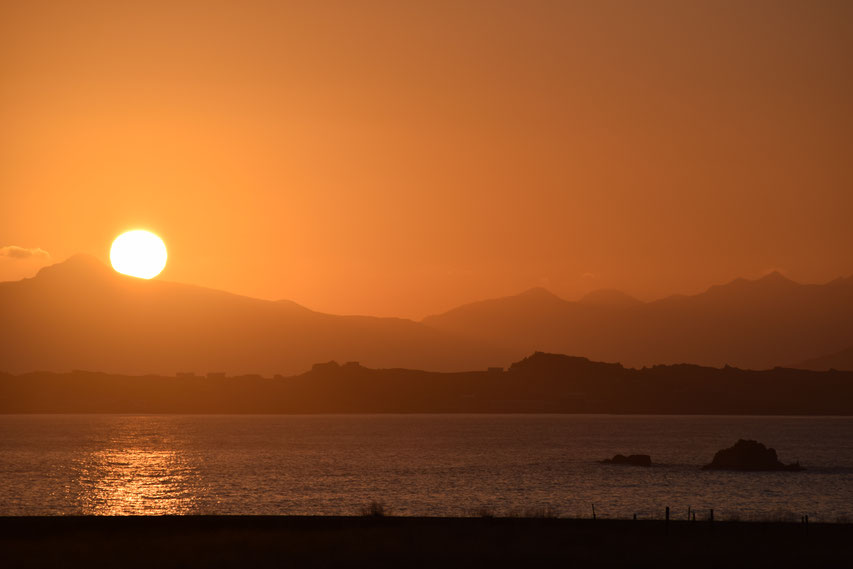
[22, 253]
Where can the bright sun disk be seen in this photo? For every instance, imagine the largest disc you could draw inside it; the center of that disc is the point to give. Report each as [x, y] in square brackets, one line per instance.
[139, 254]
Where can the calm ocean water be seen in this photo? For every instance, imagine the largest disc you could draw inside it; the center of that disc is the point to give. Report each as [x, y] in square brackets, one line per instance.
[444, 465]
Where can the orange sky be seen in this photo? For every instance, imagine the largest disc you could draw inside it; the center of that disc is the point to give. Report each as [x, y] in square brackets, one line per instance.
[400, 158]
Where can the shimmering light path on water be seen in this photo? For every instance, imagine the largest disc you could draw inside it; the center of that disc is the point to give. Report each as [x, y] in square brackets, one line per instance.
[416, 465]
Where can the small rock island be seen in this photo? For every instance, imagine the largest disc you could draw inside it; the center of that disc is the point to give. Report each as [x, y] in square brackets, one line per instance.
[631, 460]
[749, 455]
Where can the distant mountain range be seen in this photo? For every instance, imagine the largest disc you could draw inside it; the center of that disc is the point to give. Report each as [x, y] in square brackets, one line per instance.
[80, 314]
[758, 324]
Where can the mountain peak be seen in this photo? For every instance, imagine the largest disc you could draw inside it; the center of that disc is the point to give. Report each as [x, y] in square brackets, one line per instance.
[538, 292]
[775, 277]
[78, 265]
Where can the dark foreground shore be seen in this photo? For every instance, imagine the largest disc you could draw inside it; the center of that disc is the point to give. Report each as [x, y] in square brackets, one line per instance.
[250, 541]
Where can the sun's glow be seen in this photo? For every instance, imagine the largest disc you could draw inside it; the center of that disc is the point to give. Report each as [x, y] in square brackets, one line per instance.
[138, 253]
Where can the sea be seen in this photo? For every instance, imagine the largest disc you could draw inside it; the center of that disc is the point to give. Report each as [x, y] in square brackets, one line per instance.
[419, 465]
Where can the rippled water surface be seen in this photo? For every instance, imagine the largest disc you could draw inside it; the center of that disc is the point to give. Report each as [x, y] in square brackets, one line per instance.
[416, 465]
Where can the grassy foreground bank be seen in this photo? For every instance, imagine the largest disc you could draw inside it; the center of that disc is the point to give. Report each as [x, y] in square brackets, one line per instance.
[293, 541]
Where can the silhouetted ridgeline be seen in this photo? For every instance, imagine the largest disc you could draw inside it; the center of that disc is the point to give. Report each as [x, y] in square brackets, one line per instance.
[758, 324]
[540, 383]
[80, 314]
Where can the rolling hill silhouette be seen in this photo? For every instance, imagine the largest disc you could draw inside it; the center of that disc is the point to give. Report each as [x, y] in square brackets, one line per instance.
[539, 383]
[80, 314]
[758, 324]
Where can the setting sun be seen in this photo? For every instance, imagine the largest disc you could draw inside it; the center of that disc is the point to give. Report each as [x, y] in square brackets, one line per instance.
[139, 254]
[481, 283]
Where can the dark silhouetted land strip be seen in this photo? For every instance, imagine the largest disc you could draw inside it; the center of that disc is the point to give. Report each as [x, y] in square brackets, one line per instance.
[238, 541]
[541, 383]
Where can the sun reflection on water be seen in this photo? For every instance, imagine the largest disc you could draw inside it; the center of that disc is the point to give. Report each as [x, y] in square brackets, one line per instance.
[134, 475]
